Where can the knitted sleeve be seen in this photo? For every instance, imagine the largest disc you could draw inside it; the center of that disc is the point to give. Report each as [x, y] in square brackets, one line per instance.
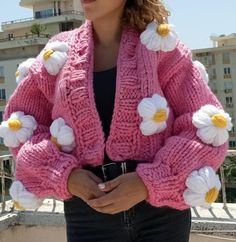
[186, 150]
[42, 168]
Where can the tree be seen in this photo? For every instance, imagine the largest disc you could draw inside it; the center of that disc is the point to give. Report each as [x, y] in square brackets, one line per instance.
[37, 28]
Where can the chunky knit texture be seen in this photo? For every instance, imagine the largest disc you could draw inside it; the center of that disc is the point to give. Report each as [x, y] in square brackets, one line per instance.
[167, 158]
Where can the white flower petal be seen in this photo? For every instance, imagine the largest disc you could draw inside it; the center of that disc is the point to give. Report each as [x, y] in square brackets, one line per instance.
[169, 43]
[207, 134]
[23, 134]
[13, 138]
[17, 115]
[221, 137]
[148, 127]
[26, 199]
[58, 46]
[57, 59]
[3, 130]
[201, 119]
[23, 69]
[65, 136]
[10, 140]
[207, 131]
[211, 178]
[194, 199]
[146, 108]
[155, 42]
[197, 184]
[56, 126]
[28, 122]
[159, 101]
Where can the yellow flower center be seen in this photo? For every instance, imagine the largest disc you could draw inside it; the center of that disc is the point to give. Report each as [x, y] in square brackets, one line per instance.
[17, 73]
[17, 205]
[47, 54]
[14, 124]
[160, 116]
[212, 195]
[163, 30]
[54, 141]
[219, 120]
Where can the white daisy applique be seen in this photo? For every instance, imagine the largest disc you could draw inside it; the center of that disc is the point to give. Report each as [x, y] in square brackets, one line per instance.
[23, 199]
[54, 56]
[212, 125]
[154, 112]
[202, 71]
[17, 129]
[159, 37]
[62, 135]
[203, 187]
[23, 70]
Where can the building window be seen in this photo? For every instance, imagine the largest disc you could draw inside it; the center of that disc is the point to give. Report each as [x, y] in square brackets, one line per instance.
[232, 144]
[66, 26]
[2, 75]
[212, 74]
[213, 59]
[1, 141]
[2, 94]
[232, 130]
[226, 58]
[213, 87]
[228, 87]
[2, 71]
[229, 102]
[227, 72]
[1, 116]
[206, 58]
[44, 13]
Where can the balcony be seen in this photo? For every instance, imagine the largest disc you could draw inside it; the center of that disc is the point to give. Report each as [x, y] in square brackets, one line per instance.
[227, 76]
[23, 41]
[228, 90]
[47, 224]
[29, 3]
[27, 22]
[229, 105]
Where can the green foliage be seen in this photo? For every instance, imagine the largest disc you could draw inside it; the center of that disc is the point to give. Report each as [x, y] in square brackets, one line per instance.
[37, 28]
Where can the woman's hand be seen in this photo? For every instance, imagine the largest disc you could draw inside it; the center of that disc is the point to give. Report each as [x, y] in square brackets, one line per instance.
[84, 184]
[124, 192]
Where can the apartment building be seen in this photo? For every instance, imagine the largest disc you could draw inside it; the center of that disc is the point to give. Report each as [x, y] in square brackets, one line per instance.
[220, 62]
[17, 43]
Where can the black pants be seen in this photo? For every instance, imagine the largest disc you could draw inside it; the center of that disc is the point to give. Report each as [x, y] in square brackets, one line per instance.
[142, 223]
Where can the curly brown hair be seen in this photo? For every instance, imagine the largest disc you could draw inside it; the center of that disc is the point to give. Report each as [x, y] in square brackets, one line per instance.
[139, 13]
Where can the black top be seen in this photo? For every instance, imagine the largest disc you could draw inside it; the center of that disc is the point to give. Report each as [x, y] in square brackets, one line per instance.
[104, 84]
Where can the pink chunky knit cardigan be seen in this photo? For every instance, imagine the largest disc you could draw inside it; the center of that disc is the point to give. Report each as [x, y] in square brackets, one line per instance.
[167, 158]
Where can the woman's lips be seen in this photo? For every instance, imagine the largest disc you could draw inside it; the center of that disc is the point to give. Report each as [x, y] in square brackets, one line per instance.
[87, 1]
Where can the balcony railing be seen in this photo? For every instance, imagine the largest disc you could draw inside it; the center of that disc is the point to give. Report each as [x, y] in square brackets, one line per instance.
[26, 36]
[219, 220]
[33, 18]
[229, 105]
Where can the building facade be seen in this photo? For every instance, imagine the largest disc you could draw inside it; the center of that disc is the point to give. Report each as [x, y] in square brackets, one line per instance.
[17, 43]
[220, 62]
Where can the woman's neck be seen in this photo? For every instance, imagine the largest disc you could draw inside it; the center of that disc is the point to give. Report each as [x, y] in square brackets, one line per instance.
[107, 35]
[107, 31]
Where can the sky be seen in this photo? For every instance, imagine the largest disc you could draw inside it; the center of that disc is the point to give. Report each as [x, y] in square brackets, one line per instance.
[194, 20]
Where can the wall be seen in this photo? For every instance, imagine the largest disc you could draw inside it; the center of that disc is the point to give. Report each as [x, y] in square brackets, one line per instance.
[58, 234]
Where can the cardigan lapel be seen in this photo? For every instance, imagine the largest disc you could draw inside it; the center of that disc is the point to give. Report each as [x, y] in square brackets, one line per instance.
[125, 140]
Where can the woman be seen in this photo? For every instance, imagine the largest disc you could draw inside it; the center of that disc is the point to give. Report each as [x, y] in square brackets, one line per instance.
[116, 120]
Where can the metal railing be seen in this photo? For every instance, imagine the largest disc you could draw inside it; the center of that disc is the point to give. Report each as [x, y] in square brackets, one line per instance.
[24, 37]
[73, 12]
[7, 168]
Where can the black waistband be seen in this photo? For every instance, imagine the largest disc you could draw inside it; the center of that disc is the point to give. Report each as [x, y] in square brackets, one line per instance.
[112, 170]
